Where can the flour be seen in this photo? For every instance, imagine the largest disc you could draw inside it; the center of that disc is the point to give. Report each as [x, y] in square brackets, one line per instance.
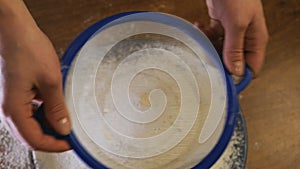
[65, 160]
[234, 155]
[12, 153]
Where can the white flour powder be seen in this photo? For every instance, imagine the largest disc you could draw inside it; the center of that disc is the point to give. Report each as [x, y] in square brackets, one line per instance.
[12, 153]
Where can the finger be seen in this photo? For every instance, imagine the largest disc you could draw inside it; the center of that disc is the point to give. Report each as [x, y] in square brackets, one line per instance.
[30, 130]
[233, 49]
[215, 33]
[24, 127]
[55, 108]
[255, 45]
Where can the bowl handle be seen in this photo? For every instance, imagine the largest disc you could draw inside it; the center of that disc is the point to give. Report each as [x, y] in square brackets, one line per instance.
[245, 80]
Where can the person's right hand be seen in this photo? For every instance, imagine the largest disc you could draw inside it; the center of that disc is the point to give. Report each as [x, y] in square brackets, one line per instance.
[30, 70]
[239, 30]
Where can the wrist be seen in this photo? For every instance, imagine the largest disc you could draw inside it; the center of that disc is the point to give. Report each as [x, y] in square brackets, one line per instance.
[14, 16]
[14, 11]
[10, 8]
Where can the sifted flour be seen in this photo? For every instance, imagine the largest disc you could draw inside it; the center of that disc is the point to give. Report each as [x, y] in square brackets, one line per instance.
[12, 153]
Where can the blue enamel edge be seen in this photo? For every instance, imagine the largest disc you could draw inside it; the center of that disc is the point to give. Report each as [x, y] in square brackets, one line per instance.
[232, 111]
[245, 81]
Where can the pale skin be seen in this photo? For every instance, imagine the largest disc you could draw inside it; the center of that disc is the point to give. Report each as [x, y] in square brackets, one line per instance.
[30, 67]
[238, 29]
[30, 70]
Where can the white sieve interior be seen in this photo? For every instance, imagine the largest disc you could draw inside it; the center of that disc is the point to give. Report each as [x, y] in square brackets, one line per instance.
[145, 95]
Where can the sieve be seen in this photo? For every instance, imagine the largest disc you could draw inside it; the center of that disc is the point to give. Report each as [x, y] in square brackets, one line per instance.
[148, 90]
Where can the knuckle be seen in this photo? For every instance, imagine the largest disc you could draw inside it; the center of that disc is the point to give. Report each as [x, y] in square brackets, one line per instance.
[234, 54]
[56, 111]
[240, 25]
[52, 80]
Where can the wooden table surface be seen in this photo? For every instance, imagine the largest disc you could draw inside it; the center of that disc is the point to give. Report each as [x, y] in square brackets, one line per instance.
[271, 104]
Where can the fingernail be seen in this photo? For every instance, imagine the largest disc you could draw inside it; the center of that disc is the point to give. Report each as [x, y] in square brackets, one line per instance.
[64, 126]
[238, 68]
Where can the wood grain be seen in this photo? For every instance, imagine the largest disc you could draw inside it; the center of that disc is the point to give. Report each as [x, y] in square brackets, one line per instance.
[271, 103]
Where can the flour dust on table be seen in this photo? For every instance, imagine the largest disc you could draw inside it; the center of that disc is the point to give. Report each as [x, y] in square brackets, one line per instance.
[12, 153]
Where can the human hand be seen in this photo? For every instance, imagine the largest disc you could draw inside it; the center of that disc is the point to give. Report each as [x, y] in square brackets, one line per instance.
[241, 24]
[30, 70]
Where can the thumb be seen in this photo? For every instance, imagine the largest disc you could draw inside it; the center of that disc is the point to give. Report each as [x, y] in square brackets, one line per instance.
[55, 108]
[233, 49]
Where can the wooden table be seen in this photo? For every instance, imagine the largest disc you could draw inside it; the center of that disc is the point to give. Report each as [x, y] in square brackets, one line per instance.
[271, 104]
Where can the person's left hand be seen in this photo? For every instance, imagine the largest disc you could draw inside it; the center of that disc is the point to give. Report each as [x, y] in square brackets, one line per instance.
[30, 70]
